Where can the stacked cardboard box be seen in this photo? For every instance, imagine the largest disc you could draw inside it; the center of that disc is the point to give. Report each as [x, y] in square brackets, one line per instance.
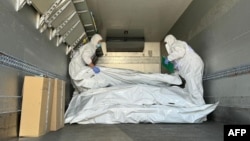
[42, 106]
[58, 104]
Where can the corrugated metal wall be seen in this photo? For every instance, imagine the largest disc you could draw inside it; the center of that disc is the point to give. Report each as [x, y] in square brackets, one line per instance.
[21, 41]
[219, 30]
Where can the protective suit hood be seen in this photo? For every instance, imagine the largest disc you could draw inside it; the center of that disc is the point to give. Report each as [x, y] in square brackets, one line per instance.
[170, 39]
[95, 38]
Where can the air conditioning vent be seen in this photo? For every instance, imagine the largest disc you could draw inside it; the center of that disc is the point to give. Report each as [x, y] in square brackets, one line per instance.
[125, 40]
[129, 46]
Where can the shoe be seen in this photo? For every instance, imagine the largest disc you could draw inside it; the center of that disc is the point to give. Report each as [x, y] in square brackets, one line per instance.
[182, 85]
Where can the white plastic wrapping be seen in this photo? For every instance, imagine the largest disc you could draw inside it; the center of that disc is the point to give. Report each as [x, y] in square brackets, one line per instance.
[87, 79]
[135, 104]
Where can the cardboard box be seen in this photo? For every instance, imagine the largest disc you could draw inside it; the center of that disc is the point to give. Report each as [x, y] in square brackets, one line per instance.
[58, 105]
[36, 106]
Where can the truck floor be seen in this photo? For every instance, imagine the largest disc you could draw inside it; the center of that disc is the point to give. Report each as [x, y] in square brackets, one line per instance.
[207, 131]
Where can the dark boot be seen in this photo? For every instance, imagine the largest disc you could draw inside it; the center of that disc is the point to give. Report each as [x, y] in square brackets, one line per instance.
[182, 85]
[183, 82]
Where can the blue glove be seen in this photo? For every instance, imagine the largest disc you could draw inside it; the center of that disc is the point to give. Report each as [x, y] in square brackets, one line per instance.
[96, 69]
[166, 61]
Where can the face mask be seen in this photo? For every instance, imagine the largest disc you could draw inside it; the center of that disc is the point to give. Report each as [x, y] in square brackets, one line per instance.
[98, 45]
[167, 46]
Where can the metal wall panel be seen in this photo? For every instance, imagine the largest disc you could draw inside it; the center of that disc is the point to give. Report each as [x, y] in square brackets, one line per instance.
[8, 126]
[147, 61]
[219, 31]
[20, 39]
[9, 81]
[155, 18]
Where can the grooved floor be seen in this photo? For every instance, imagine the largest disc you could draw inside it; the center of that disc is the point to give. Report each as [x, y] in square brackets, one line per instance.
[207, 131]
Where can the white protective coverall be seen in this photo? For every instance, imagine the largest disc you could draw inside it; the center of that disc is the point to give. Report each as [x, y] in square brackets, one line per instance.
[189, 64]
[84, 78]
[78, 66]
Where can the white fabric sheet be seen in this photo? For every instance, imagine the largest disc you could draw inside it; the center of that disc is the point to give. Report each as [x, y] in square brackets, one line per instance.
[136, 104]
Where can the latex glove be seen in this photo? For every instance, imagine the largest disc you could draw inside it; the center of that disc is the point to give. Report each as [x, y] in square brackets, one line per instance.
[166, 60]
[96, 69]
[176, 67]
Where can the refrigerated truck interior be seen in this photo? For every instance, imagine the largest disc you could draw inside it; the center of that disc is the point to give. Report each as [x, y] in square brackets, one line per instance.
[39, 37]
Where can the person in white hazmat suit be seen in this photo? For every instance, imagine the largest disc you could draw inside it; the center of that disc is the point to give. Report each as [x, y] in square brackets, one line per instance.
[188, 64]
[81, 63]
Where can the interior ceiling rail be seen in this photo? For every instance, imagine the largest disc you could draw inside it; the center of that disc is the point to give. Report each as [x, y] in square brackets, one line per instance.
[69, 48]
[20, 4]
[49, 12]
[51, 19]
[228, 73]
[62, 18]
[59, 28]
[13, 62]
[78, 1]
[69, 31]
[93, 21]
